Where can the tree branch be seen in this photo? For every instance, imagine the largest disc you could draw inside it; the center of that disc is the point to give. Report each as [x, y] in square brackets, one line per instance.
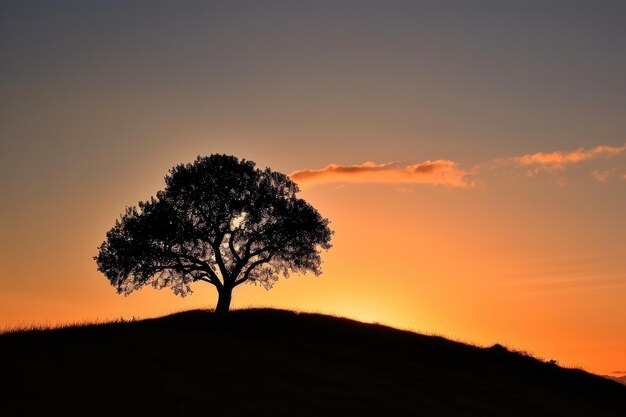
[260, 251]
[231, 245]
[252, 266]
[249, 246]
[203, 266]
[201, 278]
[241, 263]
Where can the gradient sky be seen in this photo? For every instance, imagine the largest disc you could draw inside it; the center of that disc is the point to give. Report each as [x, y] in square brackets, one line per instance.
[470, 156]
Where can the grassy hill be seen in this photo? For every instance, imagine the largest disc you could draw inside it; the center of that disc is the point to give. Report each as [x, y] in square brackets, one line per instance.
[279, 363]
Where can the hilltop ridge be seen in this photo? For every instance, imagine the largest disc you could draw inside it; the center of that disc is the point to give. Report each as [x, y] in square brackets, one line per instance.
[276, 362]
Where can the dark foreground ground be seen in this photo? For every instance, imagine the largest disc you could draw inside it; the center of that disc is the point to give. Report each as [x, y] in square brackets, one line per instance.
[279, 363]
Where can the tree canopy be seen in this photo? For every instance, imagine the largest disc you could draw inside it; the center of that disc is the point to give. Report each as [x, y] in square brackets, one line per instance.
[220, 220]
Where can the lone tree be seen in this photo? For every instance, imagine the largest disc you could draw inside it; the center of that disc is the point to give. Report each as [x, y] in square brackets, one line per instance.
[220, 220]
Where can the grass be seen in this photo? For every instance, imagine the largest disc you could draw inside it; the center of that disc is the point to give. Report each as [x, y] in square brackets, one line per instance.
[272, 363]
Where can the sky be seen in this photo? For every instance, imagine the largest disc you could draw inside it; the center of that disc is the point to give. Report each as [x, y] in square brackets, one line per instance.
[470, 156]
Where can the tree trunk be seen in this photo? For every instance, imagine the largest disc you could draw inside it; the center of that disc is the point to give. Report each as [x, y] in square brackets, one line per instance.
[223, 301]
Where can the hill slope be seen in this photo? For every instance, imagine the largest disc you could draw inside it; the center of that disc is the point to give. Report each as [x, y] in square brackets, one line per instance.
[270, 362]
[620, 379]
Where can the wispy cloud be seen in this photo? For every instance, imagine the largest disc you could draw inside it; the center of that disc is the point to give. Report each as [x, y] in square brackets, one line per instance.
[339, 170]
[558, 160]
[449, 173]
[601, 175]
[438, 172]
[580, 280]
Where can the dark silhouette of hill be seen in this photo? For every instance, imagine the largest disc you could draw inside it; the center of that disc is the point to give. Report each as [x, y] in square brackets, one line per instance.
[620, 379]
[279, 363]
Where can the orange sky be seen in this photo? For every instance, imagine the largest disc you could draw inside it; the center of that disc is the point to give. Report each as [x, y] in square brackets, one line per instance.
[473, 165]
[523, 259]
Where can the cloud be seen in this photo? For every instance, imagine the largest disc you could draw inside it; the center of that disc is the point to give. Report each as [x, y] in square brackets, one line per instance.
[601, 176]
[550, 161]
[449, 173]
[338, 170]
[438, 172]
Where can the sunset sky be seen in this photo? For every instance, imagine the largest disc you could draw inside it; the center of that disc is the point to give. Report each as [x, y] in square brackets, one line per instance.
[471, 156]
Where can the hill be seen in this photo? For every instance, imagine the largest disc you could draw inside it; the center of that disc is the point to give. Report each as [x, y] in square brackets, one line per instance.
[620, 379]
[280, 363]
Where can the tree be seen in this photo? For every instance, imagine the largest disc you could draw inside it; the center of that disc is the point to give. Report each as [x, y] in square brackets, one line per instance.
[219, 220]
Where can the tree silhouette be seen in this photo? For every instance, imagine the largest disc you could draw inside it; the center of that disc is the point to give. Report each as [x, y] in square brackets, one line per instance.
[220, 220]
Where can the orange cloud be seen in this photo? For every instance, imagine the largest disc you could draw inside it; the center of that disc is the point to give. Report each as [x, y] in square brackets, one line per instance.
[559, 159]
[448, 173]
[338, 170]
[439, 172]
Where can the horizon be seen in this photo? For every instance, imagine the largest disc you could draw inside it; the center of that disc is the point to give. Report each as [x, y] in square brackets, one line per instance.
[471, 158]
